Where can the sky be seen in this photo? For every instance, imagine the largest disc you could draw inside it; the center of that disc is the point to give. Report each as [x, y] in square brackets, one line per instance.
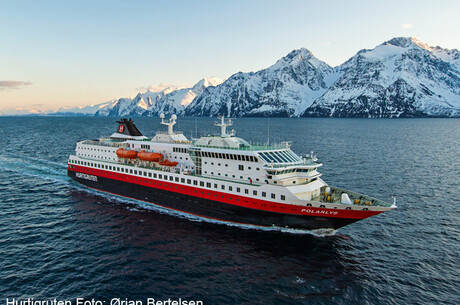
[70, 53]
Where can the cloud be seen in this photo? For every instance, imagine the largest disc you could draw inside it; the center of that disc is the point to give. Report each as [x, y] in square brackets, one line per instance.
[407, 25]
[13, 84]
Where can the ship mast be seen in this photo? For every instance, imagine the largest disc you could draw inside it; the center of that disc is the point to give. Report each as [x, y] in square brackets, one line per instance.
[223, 126]
[170, 123]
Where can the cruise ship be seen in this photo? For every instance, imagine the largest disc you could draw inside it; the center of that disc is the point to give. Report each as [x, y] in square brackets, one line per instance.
[220, 177]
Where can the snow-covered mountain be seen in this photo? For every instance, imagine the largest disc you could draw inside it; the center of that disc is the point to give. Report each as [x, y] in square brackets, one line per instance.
[84, 110]
[176, 101]
[168, 100]
[136, 106]
[286, 88]
[402, 77]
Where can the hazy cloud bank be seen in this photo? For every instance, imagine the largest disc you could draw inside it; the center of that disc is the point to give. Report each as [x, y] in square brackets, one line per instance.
[13, 84]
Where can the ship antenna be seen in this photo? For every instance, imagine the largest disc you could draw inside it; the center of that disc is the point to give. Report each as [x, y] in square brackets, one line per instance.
[268, 130]
[223, 126]
[170, 123]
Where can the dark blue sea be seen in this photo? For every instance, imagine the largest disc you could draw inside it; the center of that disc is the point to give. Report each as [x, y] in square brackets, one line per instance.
[60, 240]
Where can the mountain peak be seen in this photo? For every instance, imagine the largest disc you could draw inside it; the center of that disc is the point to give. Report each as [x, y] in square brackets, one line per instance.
[406, 42]
[299, 54]
[207, 82]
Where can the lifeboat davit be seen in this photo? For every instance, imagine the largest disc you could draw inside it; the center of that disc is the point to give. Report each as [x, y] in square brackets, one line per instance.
[126, 153]
[149, 156]
[168, 163]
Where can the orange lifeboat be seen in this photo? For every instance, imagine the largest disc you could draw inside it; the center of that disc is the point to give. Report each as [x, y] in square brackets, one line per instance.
[126, 153]
[149, 156]
[168, 163]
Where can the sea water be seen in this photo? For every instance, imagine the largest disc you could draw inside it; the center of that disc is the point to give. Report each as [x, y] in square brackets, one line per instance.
[59, 240]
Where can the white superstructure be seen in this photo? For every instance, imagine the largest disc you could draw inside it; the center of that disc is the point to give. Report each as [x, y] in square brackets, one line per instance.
[222, 162]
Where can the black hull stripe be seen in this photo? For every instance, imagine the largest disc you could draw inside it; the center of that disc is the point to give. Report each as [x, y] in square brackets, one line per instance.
[211, 209]
[223, 197]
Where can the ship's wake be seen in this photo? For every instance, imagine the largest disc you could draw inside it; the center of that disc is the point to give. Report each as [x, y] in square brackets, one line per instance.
[34, 167]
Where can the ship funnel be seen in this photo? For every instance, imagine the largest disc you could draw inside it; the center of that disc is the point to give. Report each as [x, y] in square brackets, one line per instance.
[127, 127]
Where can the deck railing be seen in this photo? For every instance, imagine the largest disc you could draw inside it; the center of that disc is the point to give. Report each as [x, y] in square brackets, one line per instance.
[246, 148]
[105, 143]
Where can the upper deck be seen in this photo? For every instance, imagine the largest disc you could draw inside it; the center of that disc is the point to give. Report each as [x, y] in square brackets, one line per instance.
[225, 158]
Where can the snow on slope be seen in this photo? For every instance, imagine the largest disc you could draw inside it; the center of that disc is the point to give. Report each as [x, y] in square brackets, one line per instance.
[136, 106]
[88, 110]
[177, 101]
[402, 77]
[168, 100]
[284, 89]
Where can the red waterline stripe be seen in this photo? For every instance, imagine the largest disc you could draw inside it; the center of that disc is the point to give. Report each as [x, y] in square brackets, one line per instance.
[227, 198]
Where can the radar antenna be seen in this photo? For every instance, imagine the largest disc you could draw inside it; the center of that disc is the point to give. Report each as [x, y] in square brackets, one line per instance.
[170, 123]
[223, 126]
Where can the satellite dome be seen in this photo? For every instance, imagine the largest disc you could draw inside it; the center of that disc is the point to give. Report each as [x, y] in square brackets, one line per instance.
[162, 116]
[174, 117]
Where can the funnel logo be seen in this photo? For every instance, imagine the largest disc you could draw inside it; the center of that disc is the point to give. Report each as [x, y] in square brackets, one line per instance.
[121, 128]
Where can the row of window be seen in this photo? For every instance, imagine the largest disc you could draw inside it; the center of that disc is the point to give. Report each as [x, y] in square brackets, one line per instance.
[94, 149]
[93, 156]
[226, 175]
[180, 150]
[293, 170]
[145, 146]
[227, 156]
[171, 178]
[240, 166]
[282, 156]
[208, 185]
